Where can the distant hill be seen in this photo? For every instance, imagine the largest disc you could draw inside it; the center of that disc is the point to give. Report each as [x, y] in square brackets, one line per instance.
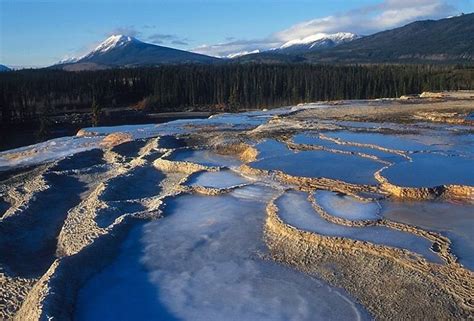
[449, 40]
[268, 57]
[316, 42]
[445, 40]
[125, 51]
[4, 68]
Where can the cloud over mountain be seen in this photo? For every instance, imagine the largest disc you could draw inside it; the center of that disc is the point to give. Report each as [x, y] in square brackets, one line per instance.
[365, 20]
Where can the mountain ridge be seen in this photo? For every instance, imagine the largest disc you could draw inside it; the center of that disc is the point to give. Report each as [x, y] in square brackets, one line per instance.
[127, 51]
[448, 40]
[316, 41]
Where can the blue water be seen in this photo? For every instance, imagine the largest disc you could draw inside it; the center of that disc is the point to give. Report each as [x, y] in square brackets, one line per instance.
[205, 157]
[317, 164]
[347, 207]
[296, 210]
[309, 139]
[429, 170]
[201, 262]
[220, 179]
[454, 220]
[404, 143]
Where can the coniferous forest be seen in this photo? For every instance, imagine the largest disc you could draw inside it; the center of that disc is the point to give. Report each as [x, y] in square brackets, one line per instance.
[32, 94]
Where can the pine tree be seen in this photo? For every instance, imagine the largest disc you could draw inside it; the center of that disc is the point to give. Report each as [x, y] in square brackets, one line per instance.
[96, 113]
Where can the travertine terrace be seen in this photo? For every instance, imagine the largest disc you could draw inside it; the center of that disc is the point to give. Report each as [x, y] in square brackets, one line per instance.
[68, 206]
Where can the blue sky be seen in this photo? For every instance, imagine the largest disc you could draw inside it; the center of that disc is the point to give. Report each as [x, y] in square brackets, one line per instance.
[39, 33]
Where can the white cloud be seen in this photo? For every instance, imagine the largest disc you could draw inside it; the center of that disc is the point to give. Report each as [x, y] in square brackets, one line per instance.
[366, 20]
[371, 19]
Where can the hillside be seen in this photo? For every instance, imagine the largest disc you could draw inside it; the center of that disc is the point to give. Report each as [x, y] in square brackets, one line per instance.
[446, 40]
[124, 51]
[449, 40]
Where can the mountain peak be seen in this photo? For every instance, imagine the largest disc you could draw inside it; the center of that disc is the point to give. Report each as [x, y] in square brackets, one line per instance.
[114, 41]
[122, 50]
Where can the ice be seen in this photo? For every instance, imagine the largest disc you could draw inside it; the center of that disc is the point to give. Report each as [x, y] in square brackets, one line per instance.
[220, 179]
[296, 210]
[430, 170]
[347, 207]
[204, 259]
[271, 148]
[349, 168]
[46, 152]
[404, 143]
[58, 148]
[205, 157]
[255, 192]
[312, 140]
[201, 262]
[453, 220]
[91, 138]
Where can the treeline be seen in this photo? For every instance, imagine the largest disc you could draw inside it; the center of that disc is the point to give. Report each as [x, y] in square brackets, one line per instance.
[30, 94]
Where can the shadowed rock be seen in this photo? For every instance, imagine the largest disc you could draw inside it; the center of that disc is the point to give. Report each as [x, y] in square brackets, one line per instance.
[28, 238]
[81, 160]
[140, 183]
[129, 149]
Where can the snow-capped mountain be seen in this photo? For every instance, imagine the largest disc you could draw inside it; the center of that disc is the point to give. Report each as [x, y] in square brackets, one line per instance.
[439, 41]
[303, 45]
[316, 41]
[111, 43]
[126, 51]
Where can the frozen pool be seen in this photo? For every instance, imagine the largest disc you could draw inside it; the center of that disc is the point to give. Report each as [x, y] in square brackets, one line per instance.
[220, 179]
[205, 157]
[348, 168]
[347, 207]
[453, 220]
[429, 170]
[271, 148]
[296, 210]
[309, 139]
[396, 142]
[201, 262]
[48, 151]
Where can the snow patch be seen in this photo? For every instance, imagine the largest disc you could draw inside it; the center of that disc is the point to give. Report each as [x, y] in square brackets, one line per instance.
[337, 38]
[242, 53]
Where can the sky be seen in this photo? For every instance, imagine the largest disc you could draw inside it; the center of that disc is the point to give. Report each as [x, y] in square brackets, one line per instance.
[40, 33]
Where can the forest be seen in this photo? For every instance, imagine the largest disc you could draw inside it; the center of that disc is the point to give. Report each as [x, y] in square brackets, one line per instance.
[28, 95]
